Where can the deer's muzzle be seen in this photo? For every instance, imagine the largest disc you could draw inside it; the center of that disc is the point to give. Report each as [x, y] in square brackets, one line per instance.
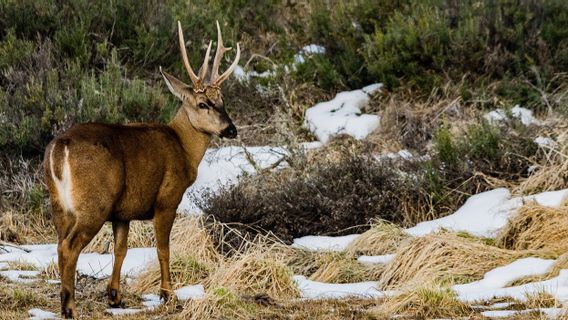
[229, 132]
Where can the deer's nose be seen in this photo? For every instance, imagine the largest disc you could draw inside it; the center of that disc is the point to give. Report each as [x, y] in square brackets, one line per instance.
[229, 132]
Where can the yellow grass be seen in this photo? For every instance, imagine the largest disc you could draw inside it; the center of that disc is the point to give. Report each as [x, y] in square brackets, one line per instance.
[428, 301]
[260, 269]
[443, 258]
[141, 234]
[382, 238]
[535, 227]
[193, 256]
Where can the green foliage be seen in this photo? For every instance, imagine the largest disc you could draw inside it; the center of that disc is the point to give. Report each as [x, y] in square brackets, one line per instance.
[448, 151]
[424, 43]
[13, 51]
[74, 61]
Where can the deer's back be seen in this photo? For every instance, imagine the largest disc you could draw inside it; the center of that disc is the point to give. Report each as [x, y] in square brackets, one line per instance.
[124, 170]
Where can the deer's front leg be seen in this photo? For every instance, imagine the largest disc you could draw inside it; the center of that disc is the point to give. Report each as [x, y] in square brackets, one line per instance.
[120, 232]
[163, 221]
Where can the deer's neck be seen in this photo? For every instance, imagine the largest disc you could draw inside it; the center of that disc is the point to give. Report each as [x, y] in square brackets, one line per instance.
[194, 142]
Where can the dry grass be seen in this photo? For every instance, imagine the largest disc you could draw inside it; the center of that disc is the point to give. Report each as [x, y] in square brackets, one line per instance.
[338, 268]
[443, 258]
[536, 227]
[541, 300]
[193, 256]
[219, 303]
[553, 174]
[382, 238]
[141, 234]
[409, 120]
[259, 269]
[27, 227]
[424, 302]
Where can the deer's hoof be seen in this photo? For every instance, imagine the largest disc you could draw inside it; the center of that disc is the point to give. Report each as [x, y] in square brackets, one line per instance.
[114, 298]
[167, 295]
[68, 307]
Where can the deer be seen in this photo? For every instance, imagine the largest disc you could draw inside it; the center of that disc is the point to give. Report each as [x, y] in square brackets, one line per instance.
[97, 173]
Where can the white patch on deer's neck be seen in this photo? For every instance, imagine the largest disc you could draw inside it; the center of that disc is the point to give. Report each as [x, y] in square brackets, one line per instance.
[64, 186]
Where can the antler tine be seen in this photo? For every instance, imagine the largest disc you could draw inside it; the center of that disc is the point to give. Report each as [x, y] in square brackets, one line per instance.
[194, 79]
[218, 55]
[203, 70]
[227, 73]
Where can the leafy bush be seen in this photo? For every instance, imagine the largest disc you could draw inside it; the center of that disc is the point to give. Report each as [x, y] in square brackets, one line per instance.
[423, 43]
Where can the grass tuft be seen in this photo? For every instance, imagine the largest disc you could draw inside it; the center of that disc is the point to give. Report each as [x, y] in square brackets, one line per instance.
[536, 227]
[443, 258]
[425, 302]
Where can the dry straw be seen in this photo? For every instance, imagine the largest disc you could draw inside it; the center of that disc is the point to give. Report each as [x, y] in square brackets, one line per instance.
[536, 227]
[259, 269]
[443, 258]
[382, 238]
[427, 301]
[553, 174]
[194, 256]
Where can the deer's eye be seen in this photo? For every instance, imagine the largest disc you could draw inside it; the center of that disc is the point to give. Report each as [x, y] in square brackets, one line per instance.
[203, 106]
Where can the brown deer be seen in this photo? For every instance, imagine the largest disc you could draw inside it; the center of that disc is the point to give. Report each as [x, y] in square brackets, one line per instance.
[118, 173]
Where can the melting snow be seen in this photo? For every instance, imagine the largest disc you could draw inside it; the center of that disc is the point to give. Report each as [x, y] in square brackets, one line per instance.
[343, 114]
[544, 141]
[501, 276]
[20, 276]
[372, 260]
[222, 167]
[123, 312]
[151, 301]
[518, 112]
[92, 264]
[320, 290]
[38, 314]
[557, 287]
[482, 215]
[190, 292]
[485, 213]
[551, 313]
[324, 243]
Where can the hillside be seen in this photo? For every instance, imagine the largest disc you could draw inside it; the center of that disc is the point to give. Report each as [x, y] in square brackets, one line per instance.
[394, 159]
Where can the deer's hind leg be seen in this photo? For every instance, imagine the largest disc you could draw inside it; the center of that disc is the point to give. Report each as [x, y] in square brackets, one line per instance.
[120, 232]
[69, 248]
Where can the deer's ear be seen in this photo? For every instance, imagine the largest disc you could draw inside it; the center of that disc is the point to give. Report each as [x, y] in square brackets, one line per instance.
[176, 86]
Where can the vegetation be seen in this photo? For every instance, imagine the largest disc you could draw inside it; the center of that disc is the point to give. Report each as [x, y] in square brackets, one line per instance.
[444, 63]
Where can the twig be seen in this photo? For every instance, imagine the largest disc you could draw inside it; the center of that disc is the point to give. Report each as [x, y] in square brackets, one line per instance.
[8, 244]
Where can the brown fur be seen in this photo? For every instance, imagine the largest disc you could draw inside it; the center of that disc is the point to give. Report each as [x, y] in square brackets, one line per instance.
[102, 172]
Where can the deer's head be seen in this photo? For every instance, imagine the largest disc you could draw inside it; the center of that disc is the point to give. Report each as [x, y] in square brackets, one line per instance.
[203, 101]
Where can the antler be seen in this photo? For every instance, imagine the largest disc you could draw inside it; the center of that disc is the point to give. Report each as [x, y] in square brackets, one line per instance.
[194, 79]
[217, 79]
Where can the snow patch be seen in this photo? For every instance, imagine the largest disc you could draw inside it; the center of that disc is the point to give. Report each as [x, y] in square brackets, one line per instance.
[343, 114]
[222, 168]
[373, 260]
[551, 313]
[123, 312]
[91, 264]
[20, 276]
[557, 287]
[320, 290]
[544, 141]
[324, 243]
[190, 292]
[485, 213]
[501, 276]
[39, 314]
[523, 114]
